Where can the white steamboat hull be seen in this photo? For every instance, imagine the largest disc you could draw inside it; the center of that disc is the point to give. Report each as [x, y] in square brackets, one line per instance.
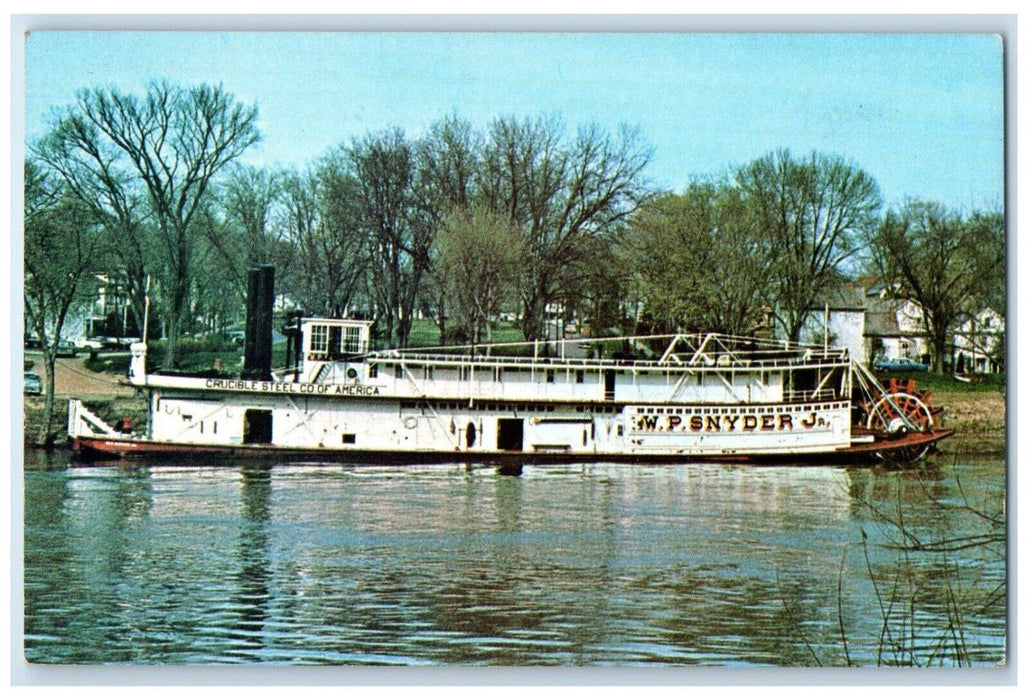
[238, 423]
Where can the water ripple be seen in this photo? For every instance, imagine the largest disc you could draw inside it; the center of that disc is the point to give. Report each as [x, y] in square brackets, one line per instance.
[577, 565]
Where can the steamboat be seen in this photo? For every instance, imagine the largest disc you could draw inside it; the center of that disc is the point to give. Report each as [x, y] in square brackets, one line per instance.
[677, 398]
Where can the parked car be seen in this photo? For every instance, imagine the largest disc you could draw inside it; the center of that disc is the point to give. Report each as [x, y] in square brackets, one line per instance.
[66, 348]
[903, 364]
[33, 383]
[88, 344]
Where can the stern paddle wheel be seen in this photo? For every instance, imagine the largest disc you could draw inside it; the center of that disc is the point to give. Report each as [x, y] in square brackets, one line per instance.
[899, 409]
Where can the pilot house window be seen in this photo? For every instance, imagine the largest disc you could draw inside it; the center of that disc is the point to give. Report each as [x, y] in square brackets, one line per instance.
[352, 342]
[319, 338]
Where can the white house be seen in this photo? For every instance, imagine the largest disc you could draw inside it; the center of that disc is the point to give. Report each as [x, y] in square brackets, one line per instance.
[874, 324]
[978, 342]
[846, 310]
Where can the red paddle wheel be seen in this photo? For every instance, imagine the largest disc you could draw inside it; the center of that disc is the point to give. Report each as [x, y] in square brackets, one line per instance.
[902, 409]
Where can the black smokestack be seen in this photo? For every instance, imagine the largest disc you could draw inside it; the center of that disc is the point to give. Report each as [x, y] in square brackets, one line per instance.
[260, 302]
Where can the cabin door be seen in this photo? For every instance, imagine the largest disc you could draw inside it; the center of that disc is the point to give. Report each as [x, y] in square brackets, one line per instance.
[335, 342]
[510, 434]
[257, 427]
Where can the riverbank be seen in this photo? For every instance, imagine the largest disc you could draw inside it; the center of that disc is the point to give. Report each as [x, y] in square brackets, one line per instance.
[110, 393]
[979, 419]
[111, 408]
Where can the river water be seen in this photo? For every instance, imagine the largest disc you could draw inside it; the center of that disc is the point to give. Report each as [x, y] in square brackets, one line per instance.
[588, 565]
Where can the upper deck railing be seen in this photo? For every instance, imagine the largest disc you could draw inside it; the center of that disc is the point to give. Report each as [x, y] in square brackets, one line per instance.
[683, 351]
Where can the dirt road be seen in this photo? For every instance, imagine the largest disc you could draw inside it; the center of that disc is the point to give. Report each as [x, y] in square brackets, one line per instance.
[74, 380]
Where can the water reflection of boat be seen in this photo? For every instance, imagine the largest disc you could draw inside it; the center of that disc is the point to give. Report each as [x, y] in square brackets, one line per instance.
[684, 397]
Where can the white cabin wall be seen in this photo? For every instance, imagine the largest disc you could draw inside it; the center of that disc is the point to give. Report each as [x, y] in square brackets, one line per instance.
[196, 421]
[847, 327]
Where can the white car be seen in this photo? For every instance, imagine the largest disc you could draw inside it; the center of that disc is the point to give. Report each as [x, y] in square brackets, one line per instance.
[88, 344]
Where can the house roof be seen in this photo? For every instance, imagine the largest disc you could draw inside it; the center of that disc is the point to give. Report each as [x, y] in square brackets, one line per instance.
[881, 319]
[881, 323]
[847, 297]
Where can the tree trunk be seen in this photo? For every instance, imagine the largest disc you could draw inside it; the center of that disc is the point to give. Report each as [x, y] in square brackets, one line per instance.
[45, 436]
[938, 341]
[177, 305]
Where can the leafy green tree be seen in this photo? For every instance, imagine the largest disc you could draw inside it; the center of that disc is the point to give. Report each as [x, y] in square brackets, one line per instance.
[477, 258]
[949, 264]
[700, 259]
[815, 212]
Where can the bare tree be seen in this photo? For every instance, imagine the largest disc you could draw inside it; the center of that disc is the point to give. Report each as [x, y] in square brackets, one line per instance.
[399, 232]
[243, 225]
[815, 213]
[98, 174]
[327, 245]
[558, 195]
[249, 196]
[175, 141]
[448, 158]
[61, 241]
[949, 264]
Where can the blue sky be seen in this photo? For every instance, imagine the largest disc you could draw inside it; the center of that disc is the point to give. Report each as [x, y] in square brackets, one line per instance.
[922, 113]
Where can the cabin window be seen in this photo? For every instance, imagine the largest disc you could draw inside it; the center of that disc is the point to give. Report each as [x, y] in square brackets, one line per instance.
[427, 372]
[497, 374]
[465, 373]
[579, 377]
[372, 371]
[349, 438]
[319, 338]
[399, 371]
[352, 340]
[549, 376]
